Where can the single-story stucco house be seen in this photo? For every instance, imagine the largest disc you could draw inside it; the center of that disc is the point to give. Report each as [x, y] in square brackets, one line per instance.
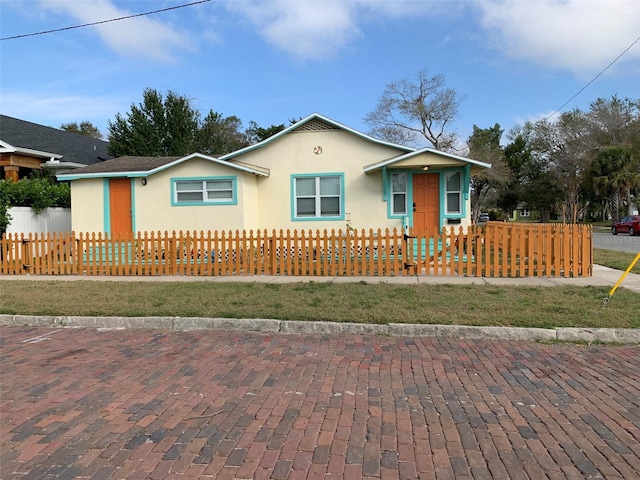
[315, 174]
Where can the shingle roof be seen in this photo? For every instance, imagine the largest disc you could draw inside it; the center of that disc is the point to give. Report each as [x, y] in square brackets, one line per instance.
[145, 166]
[73, 147]
[126, 164]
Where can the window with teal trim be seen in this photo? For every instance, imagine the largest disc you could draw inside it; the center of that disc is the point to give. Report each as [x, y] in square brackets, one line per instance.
[210, 190]
[317, 197]
[398, 193]
[453, 187]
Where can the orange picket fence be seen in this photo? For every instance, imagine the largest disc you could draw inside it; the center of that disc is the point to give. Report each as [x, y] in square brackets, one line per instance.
[495, 250]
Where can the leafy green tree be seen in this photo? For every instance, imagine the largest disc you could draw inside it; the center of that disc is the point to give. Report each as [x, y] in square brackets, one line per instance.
[219, 135]
[615, 172]
[559, 155]
[256, 134]
[532, 180]
[484, 145]
[410, 113]
[170, 126]
[516, 154]
[85, 128]
[614, 122]
[155, 127]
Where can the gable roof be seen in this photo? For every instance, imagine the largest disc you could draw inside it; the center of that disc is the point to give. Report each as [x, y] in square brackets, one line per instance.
[146, 166]
[38, 140]
[475, 164]
[314, 122]
[8, 148]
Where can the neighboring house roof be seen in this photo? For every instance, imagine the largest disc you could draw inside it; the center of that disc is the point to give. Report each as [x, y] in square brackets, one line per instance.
[314, 122]
[396, 161]
[47, 142]
[146, 166]
[8, 148]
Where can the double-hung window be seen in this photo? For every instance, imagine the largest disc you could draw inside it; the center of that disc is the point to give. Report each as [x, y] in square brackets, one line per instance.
[453, 187]
[318, 197]
[204, 191]
[398, 194]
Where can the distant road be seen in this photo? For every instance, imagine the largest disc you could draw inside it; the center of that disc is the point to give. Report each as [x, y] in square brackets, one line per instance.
[621, 243]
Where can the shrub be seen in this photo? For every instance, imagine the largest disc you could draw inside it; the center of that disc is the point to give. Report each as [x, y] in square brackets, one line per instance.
[38, 193]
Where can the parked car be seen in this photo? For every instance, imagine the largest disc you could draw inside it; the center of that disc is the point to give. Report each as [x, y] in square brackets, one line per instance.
[630, 225]
[483, 218]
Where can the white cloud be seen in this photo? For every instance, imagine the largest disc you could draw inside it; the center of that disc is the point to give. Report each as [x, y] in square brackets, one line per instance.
[318, 29]
[137, 37]
[304, 29]
[53, 111]
[576, 35]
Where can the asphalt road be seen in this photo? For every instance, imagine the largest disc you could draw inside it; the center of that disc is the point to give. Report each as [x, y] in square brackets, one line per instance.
[621, 243]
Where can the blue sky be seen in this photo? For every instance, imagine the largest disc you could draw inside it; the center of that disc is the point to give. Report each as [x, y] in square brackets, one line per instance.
[273, 60]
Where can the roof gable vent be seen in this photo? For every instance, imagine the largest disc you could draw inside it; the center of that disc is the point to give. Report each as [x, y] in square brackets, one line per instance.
[315, 125]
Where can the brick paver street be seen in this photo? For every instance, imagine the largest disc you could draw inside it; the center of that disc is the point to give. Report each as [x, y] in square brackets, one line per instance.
[137, 404]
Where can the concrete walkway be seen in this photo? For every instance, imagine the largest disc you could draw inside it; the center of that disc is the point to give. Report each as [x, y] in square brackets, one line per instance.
[602, 276]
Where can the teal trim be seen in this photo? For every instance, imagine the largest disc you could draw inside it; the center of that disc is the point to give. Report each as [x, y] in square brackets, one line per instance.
[302, 122]
[466, 185]
[385, 185]
[389, 196]
[414, 153]
[292, 196]
[106, 205]
[443, 195]
[141, 174]
[210, 203]
[70, 177]
[408, 217]
[133, 206]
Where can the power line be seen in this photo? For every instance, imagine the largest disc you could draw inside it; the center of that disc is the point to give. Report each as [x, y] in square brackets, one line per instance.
[594, 78]
[105, 21]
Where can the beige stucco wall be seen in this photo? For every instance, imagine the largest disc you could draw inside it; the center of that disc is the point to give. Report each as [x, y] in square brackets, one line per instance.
[342, 152]
[264, 202]
[152, 208]
[87, 211]
[154, 211]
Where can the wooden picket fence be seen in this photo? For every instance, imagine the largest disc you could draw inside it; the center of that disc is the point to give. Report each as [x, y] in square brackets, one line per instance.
[495, 250]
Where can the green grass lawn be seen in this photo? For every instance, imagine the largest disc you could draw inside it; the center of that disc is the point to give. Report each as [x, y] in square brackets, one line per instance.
[545, 307]
[613, 259]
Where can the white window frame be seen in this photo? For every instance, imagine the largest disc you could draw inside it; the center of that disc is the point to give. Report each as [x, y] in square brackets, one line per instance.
[448, 192]
[405, 192]
[203, 190]
[317, 197]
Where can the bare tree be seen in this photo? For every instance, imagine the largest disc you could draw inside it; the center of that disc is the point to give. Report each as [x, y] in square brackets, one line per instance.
[411, 112]
[614, 122]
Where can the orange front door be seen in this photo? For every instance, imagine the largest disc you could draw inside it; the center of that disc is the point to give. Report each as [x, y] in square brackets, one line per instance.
[426, 202]
[120, 206]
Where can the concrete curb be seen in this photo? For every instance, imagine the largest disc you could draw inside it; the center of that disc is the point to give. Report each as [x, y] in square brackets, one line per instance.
[474, 332]
[587, 335]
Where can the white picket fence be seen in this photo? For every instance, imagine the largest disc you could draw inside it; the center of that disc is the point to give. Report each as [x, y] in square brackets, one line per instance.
[50, 220]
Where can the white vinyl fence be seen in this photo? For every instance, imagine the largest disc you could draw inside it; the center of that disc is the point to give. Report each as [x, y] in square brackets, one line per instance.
[50, 220]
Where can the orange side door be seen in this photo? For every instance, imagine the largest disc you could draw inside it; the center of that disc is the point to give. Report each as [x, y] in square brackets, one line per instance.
[120, 206]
